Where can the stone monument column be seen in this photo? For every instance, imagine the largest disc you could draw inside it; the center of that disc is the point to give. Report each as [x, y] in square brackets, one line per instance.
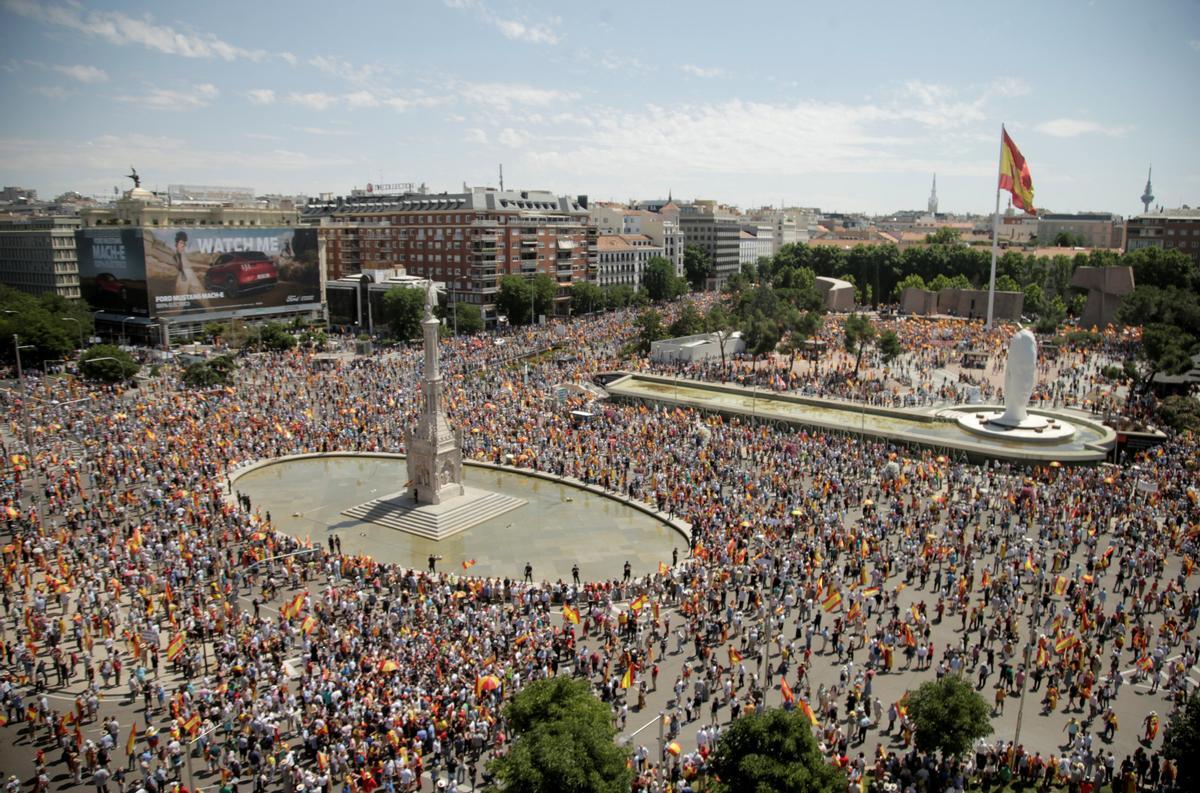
[434, 449]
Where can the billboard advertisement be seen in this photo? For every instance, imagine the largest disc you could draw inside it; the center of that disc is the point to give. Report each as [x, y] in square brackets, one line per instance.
[174, 272]
[112, 270]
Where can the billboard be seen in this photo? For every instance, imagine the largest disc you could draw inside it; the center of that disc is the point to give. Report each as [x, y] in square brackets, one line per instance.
[174, 272]
[193, 270]
[112, 270]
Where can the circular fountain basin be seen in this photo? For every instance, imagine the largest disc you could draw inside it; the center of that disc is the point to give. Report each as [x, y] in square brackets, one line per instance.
[1034, 428]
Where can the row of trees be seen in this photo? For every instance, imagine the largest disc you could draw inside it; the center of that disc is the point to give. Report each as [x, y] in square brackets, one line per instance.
[51, 325]
[564, 740]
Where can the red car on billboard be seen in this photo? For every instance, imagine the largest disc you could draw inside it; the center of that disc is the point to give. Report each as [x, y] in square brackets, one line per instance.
[242, 271]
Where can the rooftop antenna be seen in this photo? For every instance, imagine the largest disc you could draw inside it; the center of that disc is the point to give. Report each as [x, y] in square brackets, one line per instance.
[501, 177]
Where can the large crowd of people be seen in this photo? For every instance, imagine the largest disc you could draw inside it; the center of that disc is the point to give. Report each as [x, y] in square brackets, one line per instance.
[136, 579]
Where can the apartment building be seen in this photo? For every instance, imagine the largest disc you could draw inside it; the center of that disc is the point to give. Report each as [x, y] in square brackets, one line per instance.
[468, 240]
[661, 226]
[1096, 229]
[622, 258]
[37, 255]
[716, 230]
[754, 242]
[1171, 229]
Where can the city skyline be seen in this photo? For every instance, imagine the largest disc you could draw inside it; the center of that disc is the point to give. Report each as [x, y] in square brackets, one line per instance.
[753, 108]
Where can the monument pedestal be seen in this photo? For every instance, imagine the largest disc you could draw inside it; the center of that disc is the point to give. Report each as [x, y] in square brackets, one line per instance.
[451, 515]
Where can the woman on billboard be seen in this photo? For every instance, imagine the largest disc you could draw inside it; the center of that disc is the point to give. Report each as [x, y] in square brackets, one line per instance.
[186, 280]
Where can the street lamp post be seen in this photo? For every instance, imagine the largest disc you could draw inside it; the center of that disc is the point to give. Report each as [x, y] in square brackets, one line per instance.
[124, 341]
[80, 324]
[17, 347]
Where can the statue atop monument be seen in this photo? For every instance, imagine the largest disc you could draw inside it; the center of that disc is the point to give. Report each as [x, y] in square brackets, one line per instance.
[133, 174]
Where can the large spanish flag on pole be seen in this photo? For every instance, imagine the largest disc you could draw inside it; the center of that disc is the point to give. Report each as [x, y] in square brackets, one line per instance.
[1016, 179]
[1014, 174]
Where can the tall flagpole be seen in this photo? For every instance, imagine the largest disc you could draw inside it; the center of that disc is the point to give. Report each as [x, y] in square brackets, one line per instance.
[995, 235]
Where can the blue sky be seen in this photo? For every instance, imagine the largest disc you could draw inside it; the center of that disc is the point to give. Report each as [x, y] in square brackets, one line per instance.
[842, 105]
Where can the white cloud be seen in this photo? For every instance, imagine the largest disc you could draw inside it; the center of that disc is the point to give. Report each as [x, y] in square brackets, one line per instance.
[519, 31]
[514, 29]
[344, 69]
[503, 96]
[476, 136]
[197, 97]
[701, 71]
[51, 91]
[935, 132]
[313, 101]
[362, 99]
[120, 29]
[512, 138]
[326, 132]
[84, 74]
[1010, 87]
[261, 96]
[111, 154]
[289, 58]
[1073, 128]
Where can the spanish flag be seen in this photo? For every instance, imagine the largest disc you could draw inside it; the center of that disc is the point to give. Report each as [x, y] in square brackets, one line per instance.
[639, 604]
[786, 690]
[468, 564]
[734, 656]
[1029, 563]
[293, 607]
[1060, 585]
[131, 744]
[807, 710]
[309, 624]
[627, 678]
[1014, 174]
[192, 725]
[175, 646]
[832, 601]
[663, 568]
[570, 614]
[1066, 643]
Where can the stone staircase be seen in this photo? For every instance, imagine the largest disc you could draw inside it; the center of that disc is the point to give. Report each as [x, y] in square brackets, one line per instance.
[435, 521]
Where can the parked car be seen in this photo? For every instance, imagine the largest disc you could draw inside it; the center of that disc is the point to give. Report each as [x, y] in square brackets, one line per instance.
[242, 271]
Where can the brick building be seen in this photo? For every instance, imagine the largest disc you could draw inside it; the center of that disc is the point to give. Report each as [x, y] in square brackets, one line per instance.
[1171, 229]
[468, 241]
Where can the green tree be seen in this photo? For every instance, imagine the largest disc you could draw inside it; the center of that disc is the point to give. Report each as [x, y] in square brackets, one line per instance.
[859, 334]
[800, 329]
[403, 308]
[944, 236]
[1067, 239]
[39, 323]
[1180, 739]
[1035, 300]
[650, 329]
[949, 716]
[911, 280]
[562, 741]
[1180, 413]
[545, 289]
[1162, 268]
[772, 751]
[213, 372]
[942, 281]
[116, 366]
[697, 266]
[689, 322]
[274, 336]
[889, 346]
[467, 317]
[1006, 283]
[586, 297]
[1166, 349]
[618, 296]
[659, 278]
